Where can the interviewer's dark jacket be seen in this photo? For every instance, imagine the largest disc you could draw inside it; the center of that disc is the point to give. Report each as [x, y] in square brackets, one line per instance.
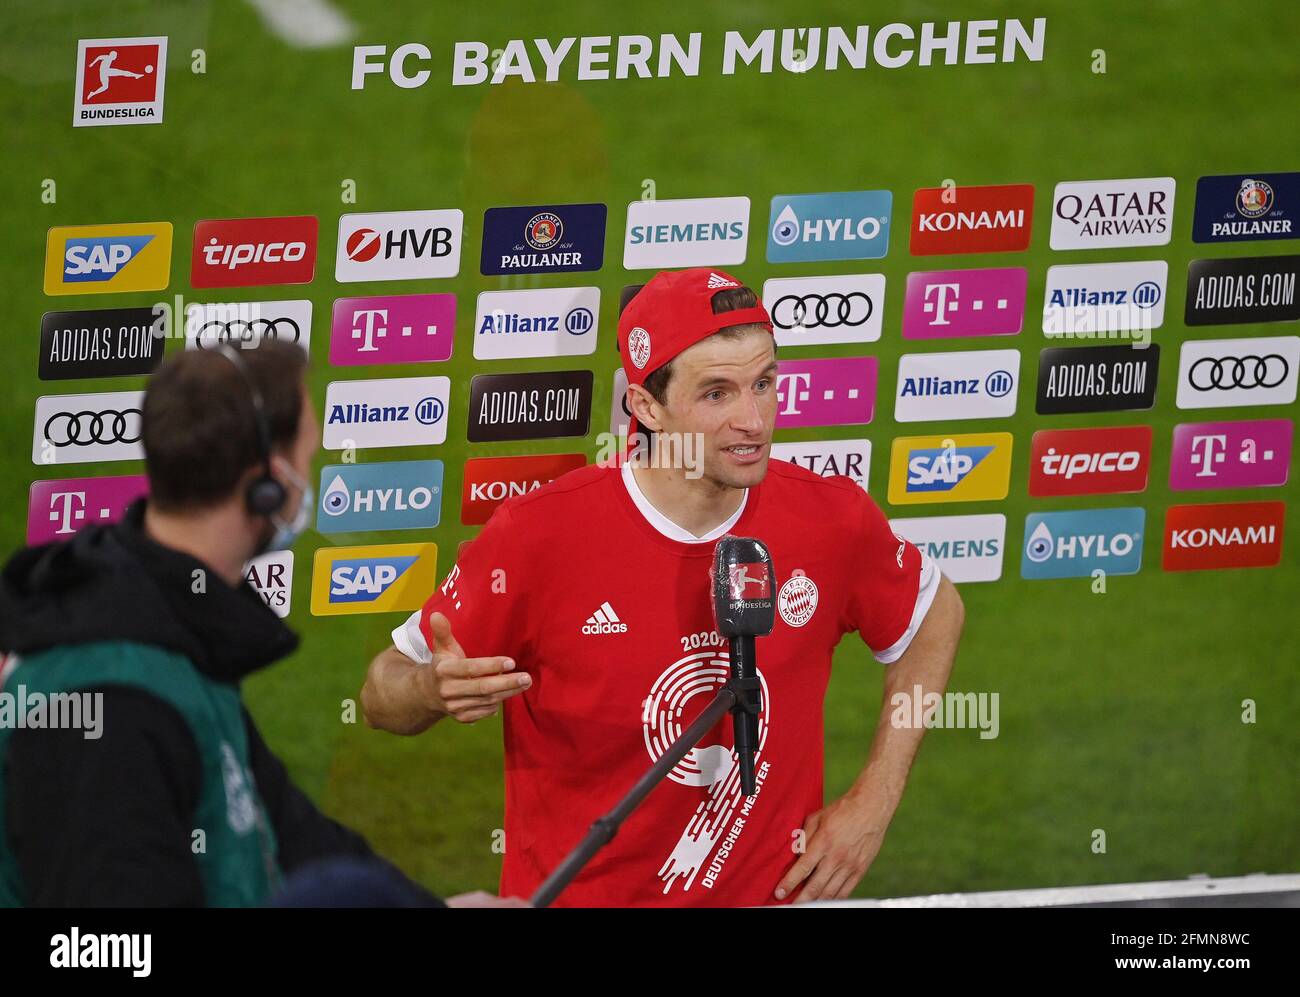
[179, 801]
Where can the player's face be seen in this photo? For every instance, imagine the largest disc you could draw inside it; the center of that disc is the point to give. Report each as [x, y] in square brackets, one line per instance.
[725, 390]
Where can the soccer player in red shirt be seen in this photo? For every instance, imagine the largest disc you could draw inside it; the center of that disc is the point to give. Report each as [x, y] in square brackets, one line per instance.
[585, 608]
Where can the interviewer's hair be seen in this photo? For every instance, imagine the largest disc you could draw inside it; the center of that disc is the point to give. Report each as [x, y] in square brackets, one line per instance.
[199, 427]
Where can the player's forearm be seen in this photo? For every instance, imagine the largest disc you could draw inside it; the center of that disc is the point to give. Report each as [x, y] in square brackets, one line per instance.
[927, 663]
[396, 695]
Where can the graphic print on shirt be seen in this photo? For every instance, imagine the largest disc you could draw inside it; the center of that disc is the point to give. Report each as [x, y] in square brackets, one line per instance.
[711, 766]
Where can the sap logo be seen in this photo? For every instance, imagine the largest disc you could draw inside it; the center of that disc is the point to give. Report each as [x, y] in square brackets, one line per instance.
[941, 470]
[100, 259]
[365, 579]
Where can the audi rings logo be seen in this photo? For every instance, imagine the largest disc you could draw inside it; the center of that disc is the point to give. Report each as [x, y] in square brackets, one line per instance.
[822, 311]
[240, 332]
[89, 427]
[1223, 373]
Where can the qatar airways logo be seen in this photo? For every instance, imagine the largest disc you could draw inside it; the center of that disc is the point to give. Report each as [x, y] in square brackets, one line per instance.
[247, 252]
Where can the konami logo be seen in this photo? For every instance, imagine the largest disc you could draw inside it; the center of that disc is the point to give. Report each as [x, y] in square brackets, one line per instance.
[993, 219]
[489, 481]
[1090, 461]
[1224, 535]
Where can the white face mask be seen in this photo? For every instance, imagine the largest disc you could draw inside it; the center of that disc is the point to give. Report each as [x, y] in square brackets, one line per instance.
[286, 532]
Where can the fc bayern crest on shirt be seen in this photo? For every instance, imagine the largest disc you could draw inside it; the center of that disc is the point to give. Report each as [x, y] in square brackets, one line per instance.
[797, 600]
[120, 81]
[548, 238]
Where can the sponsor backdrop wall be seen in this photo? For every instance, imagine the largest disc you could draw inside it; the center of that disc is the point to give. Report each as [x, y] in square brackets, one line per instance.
[1034, 270]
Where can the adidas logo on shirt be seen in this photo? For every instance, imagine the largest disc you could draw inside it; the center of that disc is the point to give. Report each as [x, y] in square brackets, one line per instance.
[715, 280]
[604, 621]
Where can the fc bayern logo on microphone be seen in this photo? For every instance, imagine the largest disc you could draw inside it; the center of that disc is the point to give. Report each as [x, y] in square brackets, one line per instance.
[638, 347]
[797, 600]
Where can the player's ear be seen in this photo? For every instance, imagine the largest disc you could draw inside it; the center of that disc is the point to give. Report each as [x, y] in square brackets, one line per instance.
[644, 407]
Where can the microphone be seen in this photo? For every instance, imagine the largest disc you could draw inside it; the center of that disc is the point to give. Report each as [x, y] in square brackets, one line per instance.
[744, 608]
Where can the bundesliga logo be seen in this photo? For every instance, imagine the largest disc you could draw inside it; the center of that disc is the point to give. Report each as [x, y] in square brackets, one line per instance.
[120, 81]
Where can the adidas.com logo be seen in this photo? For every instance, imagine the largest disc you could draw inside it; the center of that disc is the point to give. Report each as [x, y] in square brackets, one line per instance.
[717, 280]
[604, 621]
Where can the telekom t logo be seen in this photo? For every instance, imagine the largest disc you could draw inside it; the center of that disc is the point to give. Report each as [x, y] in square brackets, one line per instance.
[73, 511]
[371, 323]
[937, 302]
[839, 391]
[1207, 451]
[792, 389]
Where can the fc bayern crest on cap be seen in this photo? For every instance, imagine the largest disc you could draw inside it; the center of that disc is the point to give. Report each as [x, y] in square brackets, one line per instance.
[797, 600]
[638, 347]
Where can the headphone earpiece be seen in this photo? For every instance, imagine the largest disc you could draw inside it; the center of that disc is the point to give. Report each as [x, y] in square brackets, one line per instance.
[264, 495]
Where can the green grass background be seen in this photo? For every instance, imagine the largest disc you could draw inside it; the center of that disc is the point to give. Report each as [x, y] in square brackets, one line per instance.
[1118, 711]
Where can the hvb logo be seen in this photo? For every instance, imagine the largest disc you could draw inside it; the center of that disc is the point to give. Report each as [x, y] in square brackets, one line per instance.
[399, 245]
[120, 81]
[380, 579]
[105, 259]
[1077, 543]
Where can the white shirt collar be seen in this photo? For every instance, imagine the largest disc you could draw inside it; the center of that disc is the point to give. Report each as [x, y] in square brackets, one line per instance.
[665, 525]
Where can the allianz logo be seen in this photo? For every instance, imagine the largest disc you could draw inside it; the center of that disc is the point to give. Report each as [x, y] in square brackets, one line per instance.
[338, 498]
[1043, 545]
[995, 385]
[427, 411]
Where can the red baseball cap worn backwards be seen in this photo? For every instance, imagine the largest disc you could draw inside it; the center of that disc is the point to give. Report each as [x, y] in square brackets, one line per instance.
[672, 313]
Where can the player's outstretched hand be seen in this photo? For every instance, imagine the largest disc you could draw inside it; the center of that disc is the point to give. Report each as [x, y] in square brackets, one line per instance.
[468, 689]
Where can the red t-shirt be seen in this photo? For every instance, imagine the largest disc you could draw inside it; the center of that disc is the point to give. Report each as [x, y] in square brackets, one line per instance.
[613, 620]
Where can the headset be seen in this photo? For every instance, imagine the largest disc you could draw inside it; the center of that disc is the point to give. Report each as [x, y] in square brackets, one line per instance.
[265, 495]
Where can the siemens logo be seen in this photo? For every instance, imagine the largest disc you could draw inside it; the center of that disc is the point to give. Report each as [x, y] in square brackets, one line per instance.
[697, 232]
[966, 548]
[943, 550]
[702, 231]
